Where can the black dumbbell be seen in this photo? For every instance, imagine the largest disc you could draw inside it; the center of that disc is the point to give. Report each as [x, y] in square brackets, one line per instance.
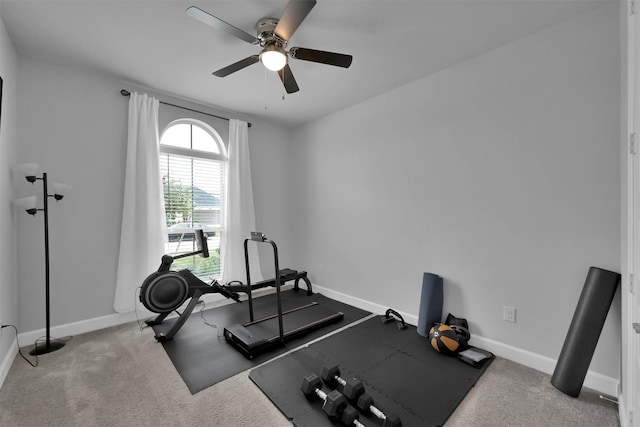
[350, 416]
[351, 389]
[333, 404]
[365, 404]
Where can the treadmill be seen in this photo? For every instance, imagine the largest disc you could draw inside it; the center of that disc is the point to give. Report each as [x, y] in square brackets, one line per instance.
[258, 336]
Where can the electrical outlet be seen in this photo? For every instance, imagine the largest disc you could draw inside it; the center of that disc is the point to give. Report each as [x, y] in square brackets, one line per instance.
[509, 314]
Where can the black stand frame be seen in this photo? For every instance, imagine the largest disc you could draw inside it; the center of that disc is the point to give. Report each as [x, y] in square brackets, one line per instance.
[48, 346]
[196, 288]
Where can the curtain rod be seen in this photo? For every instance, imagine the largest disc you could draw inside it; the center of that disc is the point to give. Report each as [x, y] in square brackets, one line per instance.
[125, 92]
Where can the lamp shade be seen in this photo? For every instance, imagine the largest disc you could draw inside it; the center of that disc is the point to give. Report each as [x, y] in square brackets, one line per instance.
[60, 190]
[28, 204]
[273, 58]
[28, 169]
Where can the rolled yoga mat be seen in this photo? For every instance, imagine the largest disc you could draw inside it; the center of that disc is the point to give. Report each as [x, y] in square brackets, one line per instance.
[586, 325]
[430, 303]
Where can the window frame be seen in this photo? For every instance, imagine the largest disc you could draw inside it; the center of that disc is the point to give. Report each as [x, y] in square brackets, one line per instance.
[191, 153]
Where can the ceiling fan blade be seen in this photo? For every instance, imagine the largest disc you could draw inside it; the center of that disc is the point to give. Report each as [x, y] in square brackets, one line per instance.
[220, 25]
[292, 17]
[287, 79]
[330, 58]
[237, 66]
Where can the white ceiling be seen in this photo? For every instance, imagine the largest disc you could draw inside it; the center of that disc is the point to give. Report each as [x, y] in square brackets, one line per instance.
[153, 43]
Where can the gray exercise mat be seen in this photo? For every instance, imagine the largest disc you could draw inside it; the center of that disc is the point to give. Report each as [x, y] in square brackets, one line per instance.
[400, 370]
[202, 356]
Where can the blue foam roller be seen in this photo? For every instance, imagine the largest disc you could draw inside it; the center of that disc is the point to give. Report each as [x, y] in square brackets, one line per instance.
[430, 303]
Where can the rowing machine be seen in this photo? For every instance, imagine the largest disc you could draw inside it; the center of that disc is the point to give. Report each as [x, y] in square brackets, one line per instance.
[164, 291]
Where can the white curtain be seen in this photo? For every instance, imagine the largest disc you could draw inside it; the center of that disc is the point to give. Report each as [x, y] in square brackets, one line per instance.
[143, 217]
[240, 218]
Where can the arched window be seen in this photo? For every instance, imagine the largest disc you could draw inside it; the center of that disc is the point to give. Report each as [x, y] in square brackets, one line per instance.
[193, 162]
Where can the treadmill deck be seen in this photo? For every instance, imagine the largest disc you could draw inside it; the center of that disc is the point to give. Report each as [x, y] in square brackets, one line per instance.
[260, 335]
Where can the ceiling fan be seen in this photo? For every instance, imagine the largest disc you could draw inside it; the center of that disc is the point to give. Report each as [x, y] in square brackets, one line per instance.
[273, 35]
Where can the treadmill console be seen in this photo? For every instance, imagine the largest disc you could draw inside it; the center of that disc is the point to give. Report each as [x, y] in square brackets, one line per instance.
[258, 236]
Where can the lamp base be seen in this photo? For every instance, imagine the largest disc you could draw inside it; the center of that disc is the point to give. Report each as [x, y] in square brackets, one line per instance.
[42, 348]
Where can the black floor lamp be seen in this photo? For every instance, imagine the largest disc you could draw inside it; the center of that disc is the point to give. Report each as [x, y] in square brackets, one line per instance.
[29, 204]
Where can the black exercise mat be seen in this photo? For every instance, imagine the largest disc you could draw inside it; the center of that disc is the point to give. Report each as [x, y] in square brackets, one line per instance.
[202, 356]
[400, 370]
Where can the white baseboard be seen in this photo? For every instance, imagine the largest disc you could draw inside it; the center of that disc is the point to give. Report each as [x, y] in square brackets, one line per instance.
[593, 380]
[80, 327]
[97, 323]
[7, 362]
[361, 303]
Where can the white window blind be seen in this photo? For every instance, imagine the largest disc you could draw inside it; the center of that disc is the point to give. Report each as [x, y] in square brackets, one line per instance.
[193, 177]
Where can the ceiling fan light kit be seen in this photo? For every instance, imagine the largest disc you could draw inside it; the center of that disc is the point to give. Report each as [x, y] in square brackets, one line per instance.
[273, 36]
[274, 58]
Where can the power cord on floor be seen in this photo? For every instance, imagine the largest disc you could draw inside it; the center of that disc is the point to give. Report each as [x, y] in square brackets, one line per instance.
[201, 303]
[142, 324]
[136, 297]
[18, 344]
[608, 399]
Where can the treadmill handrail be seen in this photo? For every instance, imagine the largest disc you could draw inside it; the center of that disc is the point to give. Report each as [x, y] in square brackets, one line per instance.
[263, 239]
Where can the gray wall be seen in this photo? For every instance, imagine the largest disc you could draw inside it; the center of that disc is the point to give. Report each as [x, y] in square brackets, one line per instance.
[502, 174]
[8, 212]
[73, 123]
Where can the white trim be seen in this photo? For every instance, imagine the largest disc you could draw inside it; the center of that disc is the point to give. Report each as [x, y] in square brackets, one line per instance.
[80, 327]
[593, 380]
[622, 410]
[362, 304]
[627, 401]
[97, 323]
[190, 152]
[5, 366]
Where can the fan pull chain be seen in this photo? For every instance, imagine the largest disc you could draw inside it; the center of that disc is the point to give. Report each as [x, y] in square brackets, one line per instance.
[264, 92]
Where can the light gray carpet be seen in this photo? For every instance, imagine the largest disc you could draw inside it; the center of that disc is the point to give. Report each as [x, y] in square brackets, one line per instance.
[509, 394]
[121, 376]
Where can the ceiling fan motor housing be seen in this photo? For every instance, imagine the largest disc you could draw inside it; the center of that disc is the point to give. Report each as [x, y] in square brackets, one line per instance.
[265, 32]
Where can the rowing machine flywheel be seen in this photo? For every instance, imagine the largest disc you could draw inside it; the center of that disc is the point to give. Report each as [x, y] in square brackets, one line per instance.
[164, 291]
